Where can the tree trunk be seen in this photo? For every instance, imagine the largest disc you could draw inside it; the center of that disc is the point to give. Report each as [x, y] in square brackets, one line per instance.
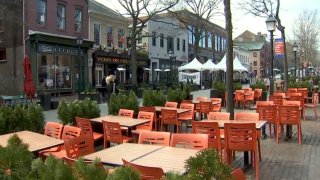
[133, 62]
[285, 61]
[229, 73]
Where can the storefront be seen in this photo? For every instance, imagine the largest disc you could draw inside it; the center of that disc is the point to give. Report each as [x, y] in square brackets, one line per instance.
[59, 65]
[107, 63]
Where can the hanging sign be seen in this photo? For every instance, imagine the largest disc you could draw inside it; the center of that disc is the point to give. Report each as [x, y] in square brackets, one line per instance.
[279, 48]
[183, 77]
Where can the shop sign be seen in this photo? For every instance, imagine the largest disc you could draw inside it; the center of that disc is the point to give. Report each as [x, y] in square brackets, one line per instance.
[47, 48]
[112, 60]
[279, 48]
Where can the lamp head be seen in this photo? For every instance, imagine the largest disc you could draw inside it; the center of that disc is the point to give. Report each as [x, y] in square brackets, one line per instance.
[295, 47]
[271, 23]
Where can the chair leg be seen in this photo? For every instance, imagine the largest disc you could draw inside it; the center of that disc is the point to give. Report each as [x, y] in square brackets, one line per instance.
[257, 165]
[315, 113]
[259, 149]
[277, 135]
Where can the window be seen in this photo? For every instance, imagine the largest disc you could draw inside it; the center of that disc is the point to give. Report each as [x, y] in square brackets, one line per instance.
[153, 38]
[161, 40]
[170, 44]
[109, 36]
[3, 55]
[191, 35]
[78, 20]
[121, 38]
[96, 34]
[202, 42]
[183, 45]
[255, 63]
[55, 71]
[42, 12]
[210, 40]
[139, 38]
[254, 54]
[178, 44]
[216, 43]
[61, 16]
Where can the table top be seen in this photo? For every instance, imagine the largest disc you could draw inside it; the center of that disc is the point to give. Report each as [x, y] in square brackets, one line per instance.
[35, 141]
[168, 158]
[158, 109]
[123, 121]
[128, 151]
[259, 124]
[198, 102]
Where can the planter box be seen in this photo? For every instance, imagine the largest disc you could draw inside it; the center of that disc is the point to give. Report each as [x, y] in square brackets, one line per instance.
[94, 97]
[45, 101]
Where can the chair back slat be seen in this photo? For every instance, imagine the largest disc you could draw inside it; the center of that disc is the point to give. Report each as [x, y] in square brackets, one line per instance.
[154, 138]
[70, 132]
[211, 129]
[191, 141]
[53, 129]
[126, 113]
[79, 146]
[219, 116]
[146, 116]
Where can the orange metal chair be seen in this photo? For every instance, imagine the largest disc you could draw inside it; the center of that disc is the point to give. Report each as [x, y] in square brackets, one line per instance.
[205, 108]
[171, 104]
[187, 101]
[213, 132]
[191, 141]
[126, 113]
[170, 117]
[246, 116]
[249, 97]
[146, 173]
[69, 132]
[283, 95]
[219, 116]
[153, 110]
[216, 104]
[238, 174]
[155, 138]
[313, 105]
[277, 100]
[186, 116]
[86, 128]
[298, 97]
[239, 98]
[304, 92]
[112, 133]
[269, 113]
[264, 103]
[77, 147]
[257, 94]
[241, 137]
[53, 129]
[290, 115]
[146, 126]
[291, 90]
[200, 98]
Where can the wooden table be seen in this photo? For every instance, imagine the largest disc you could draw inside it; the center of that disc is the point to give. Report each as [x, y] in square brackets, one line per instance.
[35, 141]
[168, 158]
[130, 123]
[113, 156]
[158, 109]
[259, 124]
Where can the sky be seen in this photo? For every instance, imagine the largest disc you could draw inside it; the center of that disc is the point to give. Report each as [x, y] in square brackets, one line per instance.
[289, 12]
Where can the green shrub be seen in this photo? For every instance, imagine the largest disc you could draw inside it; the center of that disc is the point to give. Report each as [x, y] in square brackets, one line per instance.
[206, 165]
[123, 101]
[50, 169]
[237, 86]
[82, 170]
[124, 173]
[186, 91]
[15, 159]
[259, 85]
[175, 95]
[78, 108]
[21, 118]
[153, 98]
[219, 86]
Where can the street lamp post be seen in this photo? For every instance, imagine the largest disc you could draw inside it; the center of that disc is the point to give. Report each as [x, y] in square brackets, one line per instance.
[295, 49]
[79, 41]
[271, 26]
[171, 56]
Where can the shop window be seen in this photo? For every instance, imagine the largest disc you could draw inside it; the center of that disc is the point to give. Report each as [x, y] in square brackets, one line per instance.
[96, 34]
[254, 63]
[121, 38]
[254, 54]
[169, 43]
[99, 74]
[3, 55]
[210, 40]
[78, 20]
[61, 16]
[42, 12]
[54, 71]
[139, 38]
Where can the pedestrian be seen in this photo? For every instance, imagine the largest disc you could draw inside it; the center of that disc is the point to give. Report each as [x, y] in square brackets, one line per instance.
[103, 88]
[315, 83]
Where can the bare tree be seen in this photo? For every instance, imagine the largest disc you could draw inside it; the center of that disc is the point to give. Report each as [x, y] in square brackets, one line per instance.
[306, 31]
[265, 8]
[141, 11]
[229, 76]
[198, 18]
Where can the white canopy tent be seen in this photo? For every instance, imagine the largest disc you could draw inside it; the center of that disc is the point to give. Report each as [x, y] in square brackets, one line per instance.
[237, 66]
[222, 65]
[193, 65]
[209, 65]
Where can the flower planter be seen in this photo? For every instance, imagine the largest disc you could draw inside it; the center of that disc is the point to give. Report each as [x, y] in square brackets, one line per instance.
[92, 96]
